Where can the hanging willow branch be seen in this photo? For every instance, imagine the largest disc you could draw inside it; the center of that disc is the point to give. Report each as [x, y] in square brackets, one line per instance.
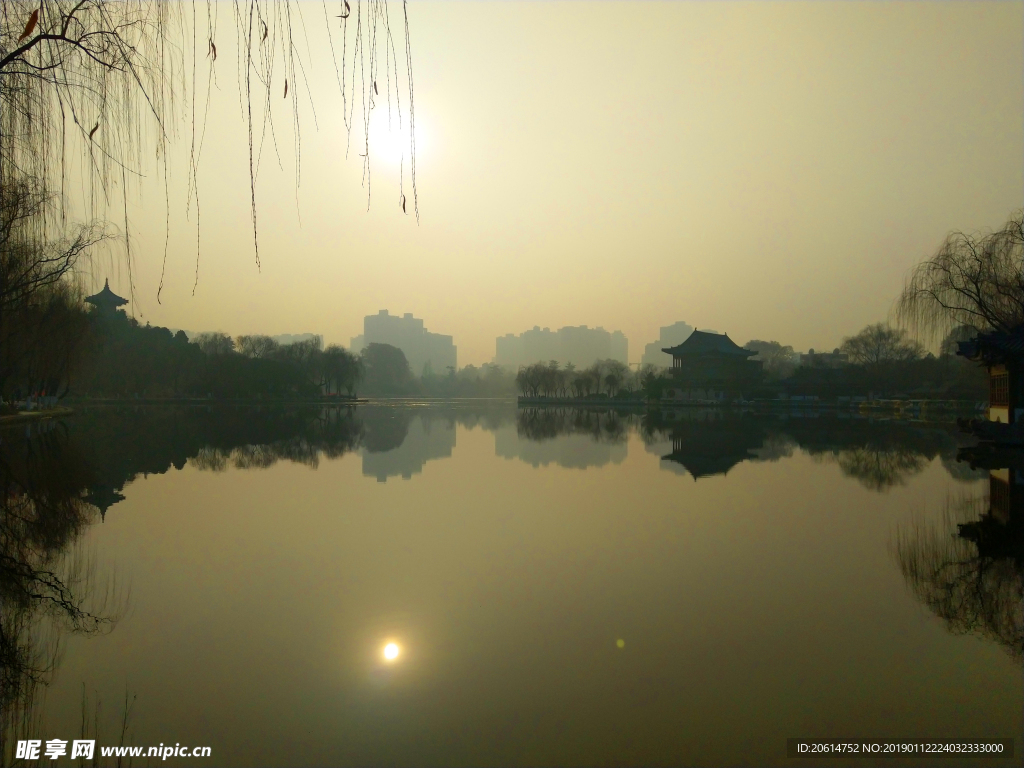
[973, 280]
[973, 588]
[99, 88]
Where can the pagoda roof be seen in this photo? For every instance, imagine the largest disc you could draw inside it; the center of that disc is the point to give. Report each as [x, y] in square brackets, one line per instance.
[106, 297]
[704, 343]
[103, 497]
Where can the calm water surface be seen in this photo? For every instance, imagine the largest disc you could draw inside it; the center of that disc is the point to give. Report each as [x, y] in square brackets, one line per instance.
[563, 588]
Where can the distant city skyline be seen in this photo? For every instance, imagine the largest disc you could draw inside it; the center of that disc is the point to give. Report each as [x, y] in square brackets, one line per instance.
[669, 336]
[566, 344]
[425, 351]
[579, 345]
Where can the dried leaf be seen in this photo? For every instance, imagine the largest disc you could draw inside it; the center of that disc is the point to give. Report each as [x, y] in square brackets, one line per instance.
[213, 50]
[94, 129]
[347, 12]
[265, 31]
[286, 88]
[32, 20]
[403, 203]
[375, 91]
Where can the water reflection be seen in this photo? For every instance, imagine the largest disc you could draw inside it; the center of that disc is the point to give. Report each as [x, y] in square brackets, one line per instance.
[400, 441]
[969, 568]
[504, 589]
[47, 586]
[330, 433]
[125, 443]
[705, 442]
[567, 437]
[880, 454]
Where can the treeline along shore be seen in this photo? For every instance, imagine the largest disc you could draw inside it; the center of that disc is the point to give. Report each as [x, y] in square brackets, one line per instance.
[114, 357]
[110, 356]
[880, 363]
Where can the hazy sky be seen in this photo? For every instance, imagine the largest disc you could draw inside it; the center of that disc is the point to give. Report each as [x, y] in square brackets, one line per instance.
[769, 169]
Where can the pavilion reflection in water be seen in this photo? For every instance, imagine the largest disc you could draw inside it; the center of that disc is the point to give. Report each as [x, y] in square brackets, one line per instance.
[706, 452]
[999, 533]
[706, 443]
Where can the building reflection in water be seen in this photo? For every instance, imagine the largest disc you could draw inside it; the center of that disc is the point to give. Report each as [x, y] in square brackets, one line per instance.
[400, 441]
[969, 569]
[708, 442]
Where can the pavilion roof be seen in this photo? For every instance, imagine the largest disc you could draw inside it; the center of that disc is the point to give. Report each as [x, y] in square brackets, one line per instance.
[106, 297]
[704, 343]
[994, 346]
[704, 464]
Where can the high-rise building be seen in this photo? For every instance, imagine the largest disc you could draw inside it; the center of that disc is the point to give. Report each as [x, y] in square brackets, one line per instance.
[424, 350]
[671, 335]
[579, 345]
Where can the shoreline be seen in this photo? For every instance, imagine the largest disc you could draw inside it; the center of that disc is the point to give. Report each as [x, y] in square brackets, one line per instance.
[793, 404]
[87, 401]
[26, 416]
[345, 402]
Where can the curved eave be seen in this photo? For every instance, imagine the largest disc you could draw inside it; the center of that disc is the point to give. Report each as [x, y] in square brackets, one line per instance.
[677, 352]
[107, 299]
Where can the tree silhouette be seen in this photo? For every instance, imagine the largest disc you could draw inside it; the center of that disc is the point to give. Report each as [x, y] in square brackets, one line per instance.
[386, 369]
[779, 360]
[45, 590]
[880, 344]
[974, 280]
[969, 570]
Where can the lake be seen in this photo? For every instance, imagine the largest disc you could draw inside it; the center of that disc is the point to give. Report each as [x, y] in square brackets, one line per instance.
[556, 587]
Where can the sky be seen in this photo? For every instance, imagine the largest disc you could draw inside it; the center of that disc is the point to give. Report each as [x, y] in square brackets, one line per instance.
[768, 169]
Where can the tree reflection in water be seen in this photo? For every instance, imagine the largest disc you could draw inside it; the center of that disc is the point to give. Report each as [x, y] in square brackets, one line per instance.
[47, 585]
[969, 568]
[58, 479]
[880, 468]
[880, 454]
[330, 433]
[601, 425]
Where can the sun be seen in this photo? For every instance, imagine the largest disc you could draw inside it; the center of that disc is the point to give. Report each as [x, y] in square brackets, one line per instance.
[391, 651]
[388, 143]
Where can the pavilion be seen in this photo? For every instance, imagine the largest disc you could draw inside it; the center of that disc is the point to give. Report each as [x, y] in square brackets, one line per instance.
[106, 301]
[712, 362]
[1002, 353]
